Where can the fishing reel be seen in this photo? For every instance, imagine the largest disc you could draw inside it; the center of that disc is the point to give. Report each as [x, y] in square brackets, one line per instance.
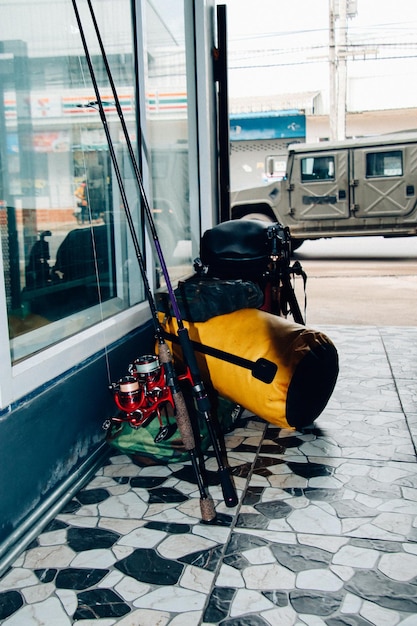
[143, 395]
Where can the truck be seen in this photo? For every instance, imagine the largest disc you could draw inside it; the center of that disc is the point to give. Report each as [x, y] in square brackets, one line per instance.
[356, 187]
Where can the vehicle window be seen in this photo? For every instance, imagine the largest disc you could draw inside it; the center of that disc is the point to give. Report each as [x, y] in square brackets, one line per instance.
[384, 163]
[317, 168]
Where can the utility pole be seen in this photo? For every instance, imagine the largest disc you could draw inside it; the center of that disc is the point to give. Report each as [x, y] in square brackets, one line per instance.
[339, 11]
[332, 71]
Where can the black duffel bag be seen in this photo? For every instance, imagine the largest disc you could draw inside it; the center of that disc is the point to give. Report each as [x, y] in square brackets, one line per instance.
[242, 248]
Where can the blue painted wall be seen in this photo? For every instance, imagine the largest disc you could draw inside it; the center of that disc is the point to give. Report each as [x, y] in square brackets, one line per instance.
[49, 434]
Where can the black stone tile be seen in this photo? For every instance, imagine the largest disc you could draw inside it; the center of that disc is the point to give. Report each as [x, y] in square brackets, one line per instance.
[298, 558]
[70, 507]
[55, 525]
[246, 620]
[242, 471]
[205, 559]
[279, 598]
[46, 575]
[252, 520]
[271, 448]
[378, 588]
[310, 470]
[348, 620]
[73, 578]
[80, 539]
[10, 602]
[240, 542]
[314, 603]
[169, 527]
[297, 492]
[351, 509]
[327, 495]
[377, 544]
[100, 603]
[218, 605]
[245, 447]
[148, 567]
[92, 496]
[147, 482]
[166, 494]
[274, 509]
[187, 474]
[237, 561]
[252, 495]
[121, 480]
[267, 461]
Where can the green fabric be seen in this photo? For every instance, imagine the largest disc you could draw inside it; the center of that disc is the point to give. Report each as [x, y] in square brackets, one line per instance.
[139, 442]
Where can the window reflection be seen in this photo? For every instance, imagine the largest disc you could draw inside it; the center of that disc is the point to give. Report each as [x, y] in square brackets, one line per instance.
[167, 128]
[64, 243]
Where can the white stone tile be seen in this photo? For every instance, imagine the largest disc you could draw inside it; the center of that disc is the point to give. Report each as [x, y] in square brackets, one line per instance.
[53, 538]
[190, 618]
[318, 580]
[142, 538]
[130, 589]
[48, 612]
[122, 526]
[173, 599]
[126, 506]
[144, 617]
[229, 577]
[351, 604]
[18, 578]
[218, 534]
[314, 520]
[378, 615]
[177, 546]
[98, 558]
[280, 616]
[268, 577]
[38, 593]
[196, 578]
[399, 566]
[69, 600]
[247, 601]
[257, 556]
[49, 556]
[356, 557]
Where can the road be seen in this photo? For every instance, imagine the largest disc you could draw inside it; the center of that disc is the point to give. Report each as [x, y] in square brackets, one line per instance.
[359, 281]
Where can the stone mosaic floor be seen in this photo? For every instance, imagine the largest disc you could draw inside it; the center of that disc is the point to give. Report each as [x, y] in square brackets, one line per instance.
[325, 531]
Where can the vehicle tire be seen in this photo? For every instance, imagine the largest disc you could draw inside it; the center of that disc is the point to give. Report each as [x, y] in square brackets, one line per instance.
[296, 243]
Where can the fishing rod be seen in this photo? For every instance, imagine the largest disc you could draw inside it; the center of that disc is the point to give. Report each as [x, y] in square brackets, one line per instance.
[199, 392]
[208, 512]
[200, 395]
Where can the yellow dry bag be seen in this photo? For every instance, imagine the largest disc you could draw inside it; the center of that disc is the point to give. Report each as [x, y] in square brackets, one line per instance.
[281, 371]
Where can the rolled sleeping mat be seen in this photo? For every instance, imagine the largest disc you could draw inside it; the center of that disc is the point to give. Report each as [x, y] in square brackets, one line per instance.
[283, 372]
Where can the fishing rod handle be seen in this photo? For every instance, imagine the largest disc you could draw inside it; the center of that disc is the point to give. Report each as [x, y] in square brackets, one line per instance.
[203, 405]
[207, 509]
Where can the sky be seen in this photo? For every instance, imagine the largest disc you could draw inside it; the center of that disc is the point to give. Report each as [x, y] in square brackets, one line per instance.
[280, 46]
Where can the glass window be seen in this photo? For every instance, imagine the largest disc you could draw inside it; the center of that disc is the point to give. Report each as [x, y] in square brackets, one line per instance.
[167, 129]
[64, 241]
[384, 163]
[317, 168]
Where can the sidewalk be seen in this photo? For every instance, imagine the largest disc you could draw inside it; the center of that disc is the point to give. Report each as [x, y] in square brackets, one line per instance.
[325, 532]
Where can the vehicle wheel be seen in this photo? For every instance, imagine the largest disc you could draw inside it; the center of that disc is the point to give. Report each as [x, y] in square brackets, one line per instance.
[296, 243]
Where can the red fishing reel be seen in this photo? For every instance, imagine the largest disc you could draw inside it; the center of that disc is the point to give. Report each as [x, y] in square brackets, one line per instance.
[143, 395]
